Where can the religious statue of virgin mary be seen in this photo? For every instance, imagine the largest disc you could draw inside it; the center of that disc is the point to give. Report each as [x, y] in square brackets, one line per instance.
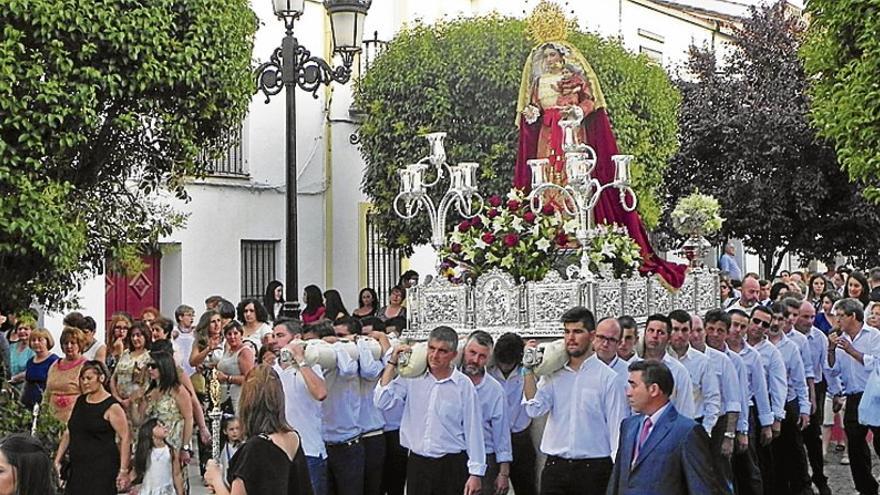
[558, 83]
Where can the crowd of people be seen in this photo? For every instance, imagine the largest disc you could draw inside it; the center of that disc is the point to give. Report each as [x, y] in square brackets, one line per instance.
[741, 399]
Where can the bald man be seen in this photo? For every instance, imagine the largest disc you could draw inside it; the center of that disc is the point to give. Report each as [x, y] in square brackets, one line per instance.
[607, 342]
[750, 292]
[818, 346]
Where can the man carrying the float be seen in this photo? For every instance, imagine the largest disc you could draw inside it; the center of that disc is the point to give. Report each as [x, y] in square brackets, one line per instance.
[586, 403]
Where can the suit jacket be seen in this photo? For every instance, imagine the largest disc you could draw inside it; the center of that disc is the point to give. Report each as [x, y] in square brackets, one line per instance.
[675, 459]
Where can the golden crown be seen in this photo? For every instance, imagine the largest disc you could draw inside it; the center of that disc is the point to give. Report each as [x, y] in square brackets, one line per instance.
[548, 23]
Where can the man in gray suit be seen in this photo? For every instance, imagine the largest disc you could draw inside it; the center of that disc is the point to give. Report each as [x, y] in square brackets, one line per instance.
[661, 452]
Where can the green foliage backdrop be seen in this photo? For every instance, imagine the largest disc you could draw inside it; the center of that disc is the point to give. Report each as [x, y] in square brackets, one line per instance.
[103, 102]
[842, 56]
[463, 77]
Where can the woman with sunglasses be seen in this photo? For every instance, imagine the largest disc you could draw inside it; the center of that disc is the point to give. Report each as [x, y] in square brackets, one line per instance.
[98, 465]
[168, 401]
[115, 340]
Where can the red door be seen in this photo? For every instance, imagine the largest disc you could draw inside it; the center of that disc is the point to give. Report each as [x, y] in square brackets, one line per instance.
[132, 294]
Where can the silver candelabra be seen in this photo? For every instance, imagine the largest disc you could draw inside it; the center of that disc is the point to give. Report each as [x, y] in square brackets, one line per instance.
[462, 193]
[582, 191]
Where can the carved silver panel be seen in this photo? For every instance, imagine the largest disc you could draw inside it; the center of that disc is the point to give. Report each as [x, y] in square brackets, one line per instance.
[635, 297]
[607, 300]
[684, 298]
[661, 299]
[439, 302]
[546, 301]
[497, 302]
[707, 291]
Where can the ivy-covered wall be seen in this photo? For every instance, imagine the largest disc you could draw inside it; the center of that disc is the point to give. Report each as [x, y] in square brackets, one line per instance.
[463, 77]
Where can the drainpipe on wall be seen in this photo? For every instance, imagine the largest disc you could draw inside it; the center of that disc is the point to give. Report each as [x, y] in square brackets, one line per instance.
[328, 164]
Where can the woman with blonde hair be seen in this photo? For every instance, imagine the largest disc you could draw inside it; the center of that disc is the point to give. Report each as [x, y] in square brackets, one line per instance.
[62, 383]
[272, 461]
[37, 369]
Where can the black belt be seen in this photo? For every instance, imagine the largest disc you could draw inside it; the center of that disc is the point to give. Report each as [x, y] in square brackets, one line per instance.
[562, 460]
[346, 443]
[857, 394]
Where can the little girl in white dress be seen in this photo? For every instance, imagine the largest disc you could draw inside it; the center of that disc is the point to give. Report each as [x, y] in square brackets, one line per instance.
[156, 465]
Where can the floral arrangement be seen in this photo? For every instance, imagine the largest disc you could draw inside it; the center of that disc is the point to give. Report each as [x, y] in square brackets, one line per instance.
[697, 215]
[508, 235]
[613, 252]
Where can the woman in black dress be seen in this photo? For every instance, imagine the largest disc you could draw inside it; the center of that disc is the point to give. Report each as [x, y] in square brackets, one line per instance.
[272, 461]
[98, 466]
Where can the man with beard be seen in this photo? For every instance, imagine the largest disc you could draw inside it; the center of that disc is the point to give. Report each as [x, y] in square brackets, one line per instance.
[442, 425]
[585, 403]
[496, 425]
[750, 292]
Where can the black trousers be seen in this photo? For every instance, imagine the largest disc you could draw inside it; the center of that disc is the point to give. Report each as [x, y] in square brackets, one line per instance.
[492, 470]
[746, 473]
[374, 463]
[345, 468]
[522, 469]
[789, 455]
[394, 471]
[813, 438]
[725, 469]
[575, 476]
[857, 446]
[445, 475]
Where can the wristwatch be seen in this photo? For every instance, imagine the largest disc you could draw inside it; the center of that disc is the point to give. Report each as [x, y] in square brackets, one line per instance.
[729, 434]
[188, 449]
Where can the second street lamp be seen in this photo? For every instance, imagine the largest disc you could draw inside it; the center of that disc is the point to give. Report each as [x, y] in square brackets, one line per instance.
[293, 65]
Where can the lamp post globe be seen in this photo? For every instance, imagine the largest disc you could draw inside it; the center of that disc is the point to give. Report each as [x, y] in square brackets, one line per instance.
[347, 23]
[288, 8]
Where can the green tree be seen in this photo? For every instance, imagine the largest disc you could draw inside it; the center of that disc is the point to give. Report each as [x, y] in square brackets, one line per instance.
[842, 58]
[463, 77]
[102, 104]
[746, 139]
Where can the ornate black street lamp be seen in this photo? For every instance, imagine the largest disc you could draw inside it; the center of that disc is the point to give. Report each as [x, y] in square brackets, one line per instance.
[293, 65]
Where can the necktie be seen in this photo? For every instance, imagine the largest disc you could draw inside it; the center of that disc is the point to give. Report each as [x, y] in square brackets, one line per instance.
[642, 437]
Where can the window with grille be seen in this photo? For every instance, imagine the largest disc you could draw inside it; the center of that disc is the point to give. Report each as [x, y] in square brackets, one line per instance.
[257, 267]
[232, 161]
[383, 264]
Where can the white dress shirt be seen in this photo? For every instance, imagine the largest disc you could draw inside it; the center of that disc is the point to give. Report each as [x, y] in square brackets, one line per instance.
[496, 427]
[513, 391]
[777, 378]
[682, 392]
[586, 407]
[341, 408]
[301, 409]
[704, 385]
[621, 367]
[796, 383]
[440, 417]
[759, 394]
[806, 353]
[370, 370]
[728, 380]
[853, 374]
[742, 393]
[818, 345]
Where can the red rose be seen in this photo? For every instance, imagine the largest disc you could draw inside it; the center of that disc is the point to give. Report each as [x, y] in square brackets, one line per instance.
[511, 240]
[464, 226]
[529, 216]
[561, 239]
[488, 237]
[455, 248]
[477, 221]
[512, 204]
[548, 209]
[492, 213]
[495, 201]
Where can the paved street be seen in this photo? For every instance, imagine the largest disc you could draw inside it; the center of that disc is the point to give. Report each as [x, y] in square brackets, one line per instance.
[838, 474]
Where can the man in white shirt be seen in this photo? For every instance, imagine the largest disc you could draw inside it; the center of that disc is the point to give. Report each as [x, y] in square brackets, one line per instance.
[629, 339]
[585, 403]
[817, 343]
[304, 389]
[706, 389]
[370, 418]
[729, 428]
[657, 330]
[442, 425]
[853, 350]
[607, 342]
[184, 336]
[789, 456]
[749, 294]
[508, 355]
[493, 406]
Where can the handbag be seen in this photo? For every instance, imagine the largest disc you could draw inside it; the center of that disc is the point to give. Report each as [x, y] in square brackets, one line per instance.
[869, 406]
